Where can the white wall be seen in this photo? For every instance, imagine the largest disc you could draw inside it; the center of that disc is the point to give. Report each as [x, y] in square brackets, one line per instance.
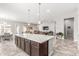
[60, 23]
[78, 25]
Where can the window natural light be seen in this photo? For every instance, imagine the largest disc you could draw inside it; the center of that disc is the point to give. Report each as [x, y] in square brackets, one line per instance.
[5, 28]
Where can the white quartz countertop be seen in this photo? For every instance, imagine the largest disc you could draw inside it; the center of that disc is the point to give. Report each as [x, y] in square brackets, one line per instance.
[35, 37]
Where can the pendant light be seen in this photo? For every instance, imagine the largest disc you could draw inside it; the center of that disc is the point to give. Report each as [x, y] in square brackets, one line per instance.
[29, 15]
[39, 22]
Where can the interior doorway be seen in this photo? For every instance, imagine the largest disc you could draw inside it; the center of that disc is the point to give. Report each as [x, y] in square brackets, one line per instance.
[69, 28]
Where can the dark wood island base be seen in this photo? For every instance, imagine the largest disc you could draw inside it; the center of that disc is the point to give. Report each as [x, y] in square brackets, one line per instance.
[32, 48]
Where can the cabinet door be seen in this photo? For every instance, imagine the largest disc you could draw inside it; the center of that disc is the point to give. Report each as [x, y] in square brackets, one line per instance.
[22, 43]
[19, 42]
[16, 40]
[27, 46]
[43, 49]
[34, 50]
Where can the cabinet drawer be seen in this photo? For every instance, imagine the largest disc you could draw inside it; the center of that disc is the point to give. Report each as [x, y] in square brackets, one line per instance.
[35, 43]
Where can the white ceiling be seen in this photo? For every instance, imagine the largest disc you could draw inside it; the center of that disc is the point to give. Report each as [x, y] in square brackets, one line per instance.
[19, 11]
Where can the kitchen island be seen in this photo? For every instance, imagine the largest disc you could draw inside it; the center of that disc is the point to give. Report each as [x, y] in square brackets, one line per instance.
[35, 44]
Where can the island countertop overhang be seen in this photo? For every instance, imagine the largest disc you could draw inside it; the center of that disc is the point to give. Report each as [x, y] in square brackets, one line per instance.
[35, 37]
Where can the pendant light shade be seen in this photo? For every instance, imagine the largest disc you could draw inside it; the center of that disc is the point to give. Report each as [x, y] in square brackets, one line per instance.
[39, 22]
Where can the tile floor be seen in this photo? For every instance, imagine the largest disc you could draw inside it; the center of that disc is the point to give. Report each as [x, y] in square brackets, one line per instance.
[62, 48]
[8, 48]
[66, 48]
